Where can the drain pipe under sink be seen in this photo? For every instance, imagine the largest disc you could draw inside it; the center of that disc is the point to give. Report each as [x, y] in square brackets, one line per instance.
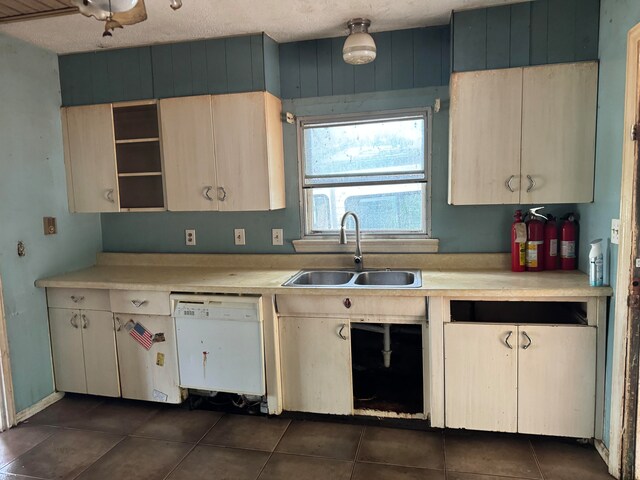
[385, 330]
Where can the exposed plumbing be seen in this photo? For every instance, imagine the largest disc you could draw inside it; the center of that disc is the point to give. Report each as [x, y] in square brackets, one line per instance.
[385, 330]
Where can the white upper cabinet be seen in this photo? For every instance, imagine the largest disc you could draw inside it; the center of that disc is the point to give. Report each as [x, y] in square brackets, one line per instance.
[523, 135]
[249, 151]
[90, 158]
[485, 117]
[189, 153]
[558, 133]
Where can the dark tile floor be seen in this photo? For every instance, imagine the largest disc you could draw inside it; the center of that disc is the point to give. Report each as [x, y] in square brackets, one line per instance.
[92, 438]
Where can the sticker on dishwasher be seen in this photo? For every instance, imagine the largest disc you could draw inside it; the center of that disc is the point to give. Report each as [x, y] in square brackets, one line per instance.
[160, 359]
[159, 396]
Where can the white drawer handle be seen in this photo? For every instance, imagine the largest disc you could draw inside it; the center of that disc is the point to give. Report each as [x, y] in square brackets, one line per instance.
[73, 319]
[85, 321]
[75, 299]
[139, 303]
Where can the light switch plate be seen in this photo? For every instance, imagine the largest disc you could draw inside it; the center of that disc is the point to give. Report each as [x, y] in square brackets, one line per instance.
[190, 237]
[615, 231]
[276, 236]
[238, 235]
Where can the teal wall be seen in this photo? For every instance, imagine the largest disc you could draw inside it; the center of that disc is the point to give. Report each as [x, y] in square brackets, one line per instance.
[222, 65]
[616, 18]
[32, 185]
[459, 228]
[530, 33]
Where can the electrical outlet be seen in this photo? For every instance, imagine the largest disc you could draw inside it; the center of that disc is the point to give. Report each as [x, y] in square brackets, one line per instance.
[190, 237]
[238, 235]
[615, 231]
[276, 236]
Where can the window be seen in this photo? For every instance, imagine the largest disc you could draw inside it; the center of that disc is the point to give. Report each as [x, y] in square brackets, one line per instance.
[373, 165]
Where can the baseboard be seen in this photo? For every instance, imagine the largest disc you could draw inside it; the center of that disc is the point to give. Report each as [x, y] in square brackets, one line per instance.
[38, 407]
[602, 450]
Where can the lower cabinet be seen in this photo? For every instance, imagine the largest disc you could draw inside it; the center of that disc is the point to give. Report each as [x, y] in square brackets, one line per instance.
[316, 365]
[148, 374]
[84, 351]
[538, 379]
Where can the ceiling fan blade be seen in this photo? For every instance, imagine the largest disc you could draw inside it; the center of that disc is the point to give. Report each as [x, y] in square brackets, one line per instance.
[136, 15]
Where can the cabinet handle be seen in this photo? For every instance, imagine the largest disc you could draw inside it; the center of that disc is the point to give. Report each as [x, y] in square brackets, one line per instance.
[109, 195]
[508, 183]
[506, 340]
[342, 327]
[206, 191]
[119, 327]
[532, 183]
[347, 303]
[75, 299]
[85, 321]
[139, 303]
[74, 324]
[222, 194]
[524, 347]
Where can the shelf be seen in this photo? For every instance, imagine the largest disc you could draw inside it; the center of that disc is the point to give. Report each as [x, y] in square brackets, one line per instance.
[138, 140]
[140, 174]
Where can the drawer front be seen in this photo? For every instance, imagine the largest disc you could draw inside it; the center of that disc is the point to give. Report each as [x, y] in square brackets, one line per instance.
[78, 298]
[351, 305]
[140, 301]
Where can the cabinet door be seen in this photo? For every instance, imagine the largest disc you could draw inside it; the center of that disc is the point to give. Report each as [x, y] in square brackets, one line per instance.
[241, 151]
[316, 365]
[90, 158]
[188, 152]
[558, 133]
[481, 376]
[485, 128]
[67, 351]
[100, 358]
[557, 380]
[148, 374]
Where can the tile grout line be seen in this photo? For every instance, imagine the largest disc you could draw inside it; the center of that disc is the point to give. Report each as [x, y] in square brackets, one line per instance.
[444, 454]
[355, 460]
[535, 457]
[28, 450]
[193, 447]
[274, 449]
[100, 457]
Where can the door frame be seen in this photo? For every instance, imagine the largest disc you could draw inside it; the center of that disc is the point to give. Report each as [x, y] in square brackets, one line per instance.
[7, 404]
[620, 376]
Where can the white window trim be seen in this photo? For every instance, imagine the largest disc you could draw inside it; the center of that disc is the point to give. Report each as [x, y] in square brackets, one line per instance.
[373, 242]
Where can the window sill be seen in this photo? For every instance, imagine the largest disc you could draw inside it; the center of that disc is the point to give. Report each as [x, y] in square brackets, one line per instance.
[331, 245]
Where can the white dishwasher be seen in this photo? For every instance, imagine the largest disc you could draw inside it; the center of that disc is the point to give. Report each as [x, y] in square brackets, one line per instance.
[220, 345]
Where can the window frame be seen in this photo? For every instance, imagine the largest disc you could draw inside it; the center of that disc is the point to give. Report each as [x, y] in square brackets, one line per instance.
[381, 115]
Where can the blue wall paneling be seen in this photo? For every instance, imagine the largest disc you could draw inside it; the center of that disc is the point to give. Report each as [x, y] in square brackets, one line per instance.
[531, 33]
[227, 65]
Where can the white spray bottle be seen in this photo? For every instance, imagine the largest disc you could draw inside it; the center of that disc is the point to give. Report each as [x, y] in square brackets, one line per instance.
[596, 273]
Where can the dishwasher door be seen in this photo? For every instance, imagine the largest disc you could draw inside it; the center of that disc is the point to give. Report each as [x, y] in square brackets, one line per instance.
[220, 344]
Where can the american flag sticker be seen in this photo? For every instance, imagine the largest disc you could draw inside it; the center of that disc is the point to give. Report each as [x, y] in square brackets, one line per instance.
[141, 335]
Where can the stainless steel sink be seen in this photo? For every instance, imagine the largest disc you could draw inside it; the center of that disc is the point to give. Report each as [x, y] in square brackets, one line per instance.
[387, 278]
[312, 278]
[352, 279]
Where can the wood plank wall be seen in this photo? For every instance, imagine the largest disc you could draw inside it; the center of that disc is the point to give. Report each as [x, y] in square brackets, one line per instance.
[522, 34]
[411, 58]
[226, 65]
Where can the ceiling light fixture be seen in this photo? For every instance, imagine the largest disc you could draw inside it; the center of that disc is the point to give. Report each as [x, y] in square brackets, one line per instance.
[116, 13]
[359, 48]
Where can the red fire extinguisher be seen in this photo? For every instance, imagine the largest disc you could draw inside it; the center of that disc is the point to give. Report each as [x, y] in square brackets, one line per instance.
[551, 244]
[535, 240]
[568, 236]
[518, 243]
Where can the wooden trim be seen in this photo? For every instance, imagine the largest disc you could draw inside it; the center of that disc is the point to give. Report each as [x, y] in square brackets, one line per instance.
[438, 313]
[602, 450]
[597, 315]
[409, 245]
[38, 15]
[624, 257]
[134, 103]
[6, 388]
[38, 407]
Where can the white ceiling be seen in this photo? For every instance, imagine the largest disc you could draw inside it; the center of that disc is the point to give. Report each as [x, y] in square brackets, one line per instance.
[284, 21]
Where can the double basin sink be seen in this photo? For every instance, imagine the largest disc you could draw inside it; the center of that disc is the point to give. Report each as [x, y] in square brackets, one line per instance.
[353, 279]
